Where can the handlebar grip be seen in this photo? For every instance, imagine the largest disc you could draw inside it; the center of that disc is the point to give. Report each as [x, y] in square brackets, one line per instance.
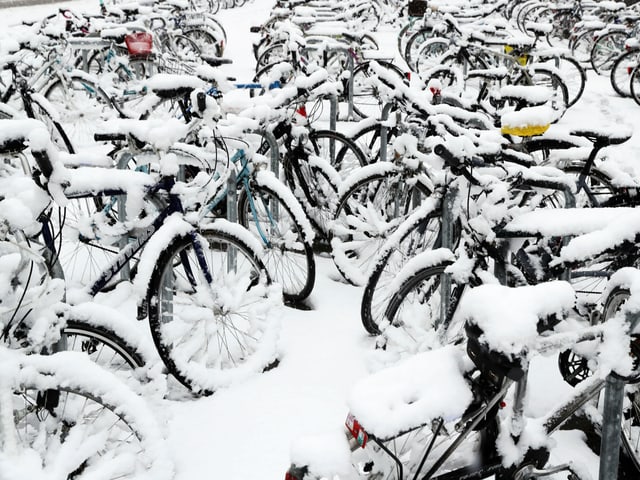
[446, 155]
[109, 137]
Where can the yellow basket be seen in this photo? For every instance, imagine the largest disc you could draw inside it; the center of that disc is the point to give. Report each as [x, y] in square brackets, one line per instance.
[521, 59]
[526, 131]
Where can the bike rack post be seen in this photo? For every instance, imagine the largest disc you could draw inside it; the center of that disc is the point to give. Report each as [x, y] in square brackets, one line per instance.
[569, 202]
[384, 116]
[333, 112]
[232, 215]
[447, 242]
[351, 67]
[274, 151]
[123, 162]
[611, 419]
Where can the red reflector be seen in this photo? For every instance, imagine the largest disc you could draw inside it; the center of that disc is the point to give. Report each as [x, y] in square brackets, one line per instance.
[302, 111]
[503, 404]
[290, 476]
[356, 430]
[629, 70]
[435, 91]
[407, 75]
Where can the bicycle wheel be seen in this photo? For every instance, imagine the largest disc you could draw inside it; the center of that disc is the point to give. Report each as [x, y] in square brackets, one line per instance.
[634, 85]
[378, 199]
[212, 327]
[205, 41]
[288, 255]
[342, 153]
[103, 346]
[414, 44]
[81, 104]
[430, 54]
[572, 73]
[276, 53]
[43, 112]
[582, 46]
[78, 422]
[315, 183]
[366, 101]
[606, 49]
[368, 141]
[419, 234]
[545, 77]
[621, 70]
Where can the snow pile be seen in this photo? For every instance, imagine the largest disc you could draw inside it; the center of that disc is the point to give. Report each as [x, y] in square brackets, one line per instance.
[420, 389]
[509, 317]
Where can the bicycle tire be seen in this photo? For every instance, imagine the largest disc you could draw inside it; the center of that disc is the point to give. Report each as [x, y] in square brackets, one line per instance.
[81, 420]
[218, 340]
[205, 41]
[546, 77]
[83, 336]
[414, 43]
[81, 104]
[315, 183]
[365, 98]
[289, 261]
[430, 53]
[342, 153]
[606, 50]
[367, 212]
[621, 70]
[368, 141]
[275, 53]
[634, 85]
[572, 73]
[419, 235]
[413, 313]
[581, 47]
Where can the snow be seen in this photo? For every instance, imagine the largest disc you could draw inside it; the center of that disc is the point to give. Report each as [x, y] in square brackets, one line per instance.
[487, 306]
[245, 430]
[412, 393]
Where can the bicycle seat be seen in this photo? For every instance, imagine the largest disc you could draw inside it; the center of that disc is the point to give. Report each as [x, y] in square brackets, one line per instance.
[15, 133]
[216, 61]
[538, 29]
[604, 137]
[526, 95]
[412, 393]
[504, 323]
[161, 134]
[168, 86]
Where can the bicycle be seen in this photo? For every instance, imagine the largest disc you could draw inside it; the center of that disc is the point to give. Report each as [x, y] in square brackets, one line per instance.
[187, 277]
[468, 429]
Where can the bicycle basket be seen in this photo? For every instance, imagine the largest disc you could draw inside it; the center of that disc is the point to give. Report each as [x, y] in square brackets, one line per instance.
[174, 66]
[139, 43]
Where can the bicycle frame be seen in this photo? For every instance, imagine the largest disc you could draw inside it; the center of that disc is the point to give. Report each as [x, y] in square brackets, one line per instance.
[128, 252]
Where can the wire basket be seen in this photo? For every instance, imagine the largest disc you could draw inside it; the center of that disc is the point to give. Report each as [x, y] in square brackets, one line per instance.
[139, 43]
[175, 66]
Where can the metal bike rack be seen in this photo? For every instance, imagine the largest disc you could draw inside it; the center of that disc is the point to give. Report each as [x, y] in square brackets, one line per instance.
[612, 419]
[123, 164]
[384, 116]
[274, 150]
[351, 68]
[447, 242]
[85, 45]
[232, 215]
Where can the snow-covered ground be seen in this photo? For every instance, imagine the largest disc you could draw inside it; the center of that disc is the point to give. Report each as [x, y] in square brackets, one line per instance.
[245, 432]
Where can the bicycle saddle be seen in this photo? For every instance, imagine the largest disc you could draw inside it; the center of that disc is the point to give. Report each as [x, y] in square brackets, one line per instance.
[504, 323]
[216, 61]
[168, 86]
[603, 136]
